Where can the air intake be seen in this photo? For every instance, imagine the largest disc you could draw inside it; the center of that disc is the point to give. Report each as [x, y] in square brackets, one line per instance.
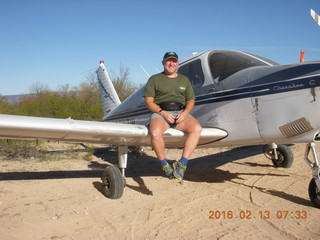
[295, 128]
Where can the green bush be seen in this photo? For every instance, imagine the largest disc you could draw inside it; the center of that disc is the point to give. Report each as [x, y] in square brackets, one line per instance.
[80, 103]
[83, 103]
[21, 149]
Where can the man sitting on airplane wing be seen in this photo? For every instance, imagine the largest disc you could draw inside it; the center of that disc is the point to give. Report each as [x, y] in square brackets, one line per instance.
[170, 98]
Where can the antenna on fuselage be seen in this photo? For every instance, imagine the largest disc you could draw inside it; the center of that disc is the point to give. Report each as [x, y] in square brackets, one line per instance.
[157, 69]
[145, 71]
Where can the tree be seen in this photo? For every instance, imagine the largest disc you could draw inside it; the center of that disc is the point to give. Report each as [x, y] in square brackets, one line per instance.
[39, 88]
[122, 83]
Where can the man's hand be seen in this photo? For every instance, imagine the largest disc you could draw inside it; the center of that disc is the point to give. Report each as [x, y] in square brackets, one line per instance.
[168, 117]
[180, 117]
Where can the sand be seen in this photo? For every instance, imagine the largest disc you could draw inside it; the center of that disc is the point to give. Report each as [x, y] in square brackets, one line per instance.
[226, 194]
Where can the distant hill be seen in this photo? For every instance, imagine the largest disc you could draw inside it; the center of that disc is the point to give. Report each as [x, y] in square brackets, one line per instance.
[15, 98]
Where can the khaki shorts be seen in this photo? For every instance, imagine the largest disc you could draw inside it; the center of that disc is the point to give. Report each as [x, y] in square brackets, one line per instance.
[174, 113]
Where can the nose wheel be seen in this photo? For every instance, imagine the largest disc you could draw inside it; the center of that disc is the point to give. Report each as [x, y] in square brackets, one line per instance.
[314, 193]
[314, 185]
[280, 155]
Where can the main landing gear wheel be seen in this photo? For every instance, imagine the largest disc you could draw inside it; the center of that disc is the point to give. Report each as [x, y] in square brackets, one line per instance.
[113, 182]
[283, 158]
[314, 193]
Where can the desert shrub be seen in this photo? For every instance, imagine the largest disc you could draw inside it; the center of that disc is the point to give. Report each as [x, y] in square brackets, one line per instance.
[4, 105]
[89, 153]
[81, 103]
[21, 149]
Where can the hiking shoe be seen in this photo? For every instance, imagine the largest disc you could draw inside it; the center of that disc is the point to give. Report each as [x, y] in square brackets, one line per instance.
[179, 170]
[167, 170]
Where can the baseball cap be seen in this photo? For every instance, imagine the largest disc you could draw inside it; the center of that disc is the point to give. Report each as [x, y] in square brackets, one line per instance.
[168, 55]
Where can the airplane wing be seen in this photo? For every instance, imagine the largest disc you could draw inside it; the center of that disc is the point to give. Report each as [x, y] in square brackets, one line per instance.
[69, 130]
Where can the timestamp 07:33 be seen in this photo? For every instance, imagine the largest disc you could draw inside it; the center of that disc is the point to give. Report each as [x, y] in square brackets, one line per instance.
[265, 214]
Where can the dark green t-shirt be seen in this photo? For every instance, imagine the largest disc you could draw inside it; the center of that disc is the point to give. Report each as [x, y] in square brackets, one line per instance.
[164, 89]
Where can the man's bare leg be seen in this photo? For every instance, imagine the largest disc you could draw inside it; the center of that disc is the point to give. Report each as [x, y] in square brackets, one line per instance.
[157, 128]
[193, 130]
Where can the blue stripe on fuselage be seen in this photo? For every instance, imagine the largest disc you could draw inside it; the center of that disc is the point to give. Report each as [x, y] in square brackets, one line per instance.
[251, 90]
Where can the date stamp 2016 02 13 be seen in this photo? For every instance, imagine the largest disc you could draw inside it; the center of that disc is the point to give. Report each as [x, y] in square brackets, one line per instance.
[266, 214]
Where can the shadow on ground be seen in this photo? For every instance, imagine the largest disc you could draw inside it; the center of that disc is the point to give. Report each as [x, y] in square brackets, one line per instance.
[201, 169]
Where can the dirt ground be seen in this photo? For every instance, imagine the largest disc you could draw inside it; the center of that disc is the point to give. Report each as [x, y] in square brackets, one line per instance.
[227, 194]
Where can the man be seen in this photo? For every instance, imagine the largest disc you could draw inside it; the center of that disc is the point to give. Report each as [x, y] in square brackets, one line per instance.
[170, 98]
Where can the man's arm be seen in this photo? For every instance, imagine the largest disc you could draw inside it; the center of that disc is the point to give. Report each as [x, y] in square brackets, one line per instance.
[151, 105]
[189, 106]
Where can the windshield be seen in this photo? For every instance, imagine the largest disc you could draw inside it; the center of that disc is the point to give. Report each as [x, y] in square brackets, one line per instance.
[225, 63]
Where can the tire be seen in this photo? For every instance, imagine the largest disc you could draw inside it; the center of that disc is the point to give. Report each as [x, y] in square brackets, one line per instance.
[113, 182]
[285, 156]
[314, 193]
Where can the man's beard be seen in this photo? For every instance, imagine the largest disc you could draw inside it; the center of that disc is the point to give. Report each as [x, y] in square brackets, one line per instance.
[170, 71]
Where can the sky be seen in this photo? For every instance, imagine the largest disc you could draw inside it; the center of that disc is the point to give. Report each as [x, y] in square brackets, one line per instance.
[60, 42]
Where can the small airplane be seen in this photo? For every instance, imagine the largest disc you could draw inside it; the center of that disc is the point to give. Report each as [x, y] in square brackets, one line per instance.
[241, 99]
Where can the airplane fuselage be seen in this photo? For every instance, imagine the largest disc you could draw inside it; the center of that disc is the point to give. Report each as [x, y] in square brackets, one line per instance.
[254, 99]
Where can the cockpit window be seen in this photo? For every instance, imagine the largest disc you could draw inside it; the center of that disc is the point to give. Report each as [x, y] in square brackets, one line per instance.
[193, 71]
[225, 63]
